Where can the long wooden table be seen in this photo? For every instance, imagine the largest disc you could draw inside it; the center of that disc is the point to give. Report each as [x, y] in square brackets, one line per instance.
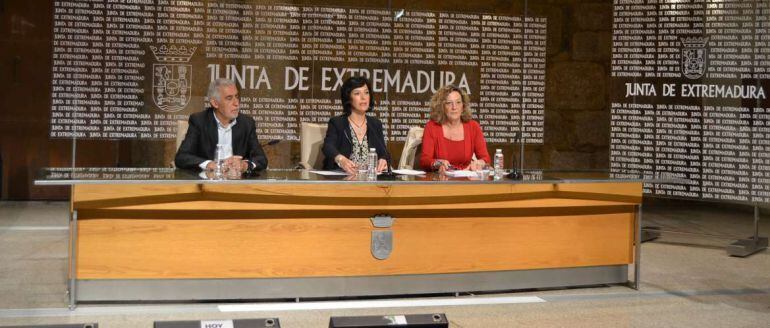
[172, 236]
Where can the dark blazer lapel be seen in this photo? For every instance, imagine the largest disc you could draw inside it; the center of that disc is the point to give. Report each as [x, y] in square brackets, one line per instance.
[376, 136]
[211, 133]
[239, 135]
[371, 134]
[347, 134]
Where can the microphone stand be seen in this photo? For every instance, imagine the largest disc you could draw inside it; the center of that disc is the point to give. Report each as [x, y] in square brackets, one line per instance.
[388, 174]
[515, 173]
[251, 173]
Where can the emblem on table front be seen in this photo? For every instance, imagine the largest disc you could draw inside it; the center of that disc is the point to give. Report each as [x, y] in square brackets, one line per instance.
[694, 57]
[172, 77]
[382, 244]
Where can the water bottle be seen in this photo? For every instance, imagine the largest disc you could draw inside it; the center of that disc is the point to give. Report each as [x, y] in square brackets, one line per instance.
[498, 162]
[372, 163]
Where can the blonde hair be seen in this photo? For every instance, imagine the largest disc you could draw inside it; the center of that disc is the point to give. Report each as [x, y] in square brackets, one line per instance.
[437, 113]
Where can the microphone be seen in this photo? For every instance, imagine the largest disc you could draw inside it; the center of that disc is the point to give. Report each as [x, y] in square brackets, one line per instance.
[270, 143]
[252, 172]
[388, 174]
[515, 174]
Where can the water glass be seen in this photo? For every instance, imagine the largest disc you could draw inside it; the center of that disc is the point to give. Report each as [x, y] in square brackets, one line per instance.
[363, 168]
[219, 160]
[484, 172]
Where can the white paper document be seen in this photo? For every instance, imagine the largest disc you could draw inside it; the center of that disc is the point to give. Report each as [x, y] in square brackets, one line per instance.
[409, 172]
[329, 172]
[461, 174]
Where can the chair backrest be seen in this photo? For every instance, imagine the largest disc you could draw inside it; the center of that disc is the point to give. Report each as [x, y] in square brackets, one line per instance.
[410, 156]
[311, 141]
[181, 131]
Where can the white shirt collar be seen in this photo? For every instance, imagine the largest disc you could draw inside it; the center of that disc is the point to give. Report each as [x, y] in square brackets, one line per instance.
[219, 123]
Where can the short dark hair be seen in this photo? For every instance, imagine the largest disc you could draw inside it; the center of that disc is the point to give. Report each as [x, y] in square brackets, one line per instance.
[354, 82]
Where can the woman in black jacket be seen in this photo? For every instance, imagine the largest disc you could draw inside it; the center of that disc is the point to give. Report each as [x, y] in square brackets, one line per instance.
[350, 135]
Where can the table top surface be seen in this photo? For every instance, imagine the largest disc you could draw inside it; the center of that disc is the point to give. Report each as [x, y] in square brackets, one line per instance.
[123, 175]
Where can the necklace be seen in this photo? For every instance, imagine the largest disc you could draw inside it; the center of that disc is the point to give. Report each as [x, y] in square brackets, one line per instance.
[360, 126]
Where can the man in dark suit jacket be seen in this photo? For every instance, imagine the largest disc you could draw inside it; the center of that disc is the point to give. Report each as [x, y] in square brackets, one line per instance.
[221, 124]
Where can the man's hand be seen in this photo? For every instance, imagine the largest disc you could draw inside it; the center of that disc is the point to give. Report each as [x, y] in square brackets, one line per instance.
[211, 166]
[231, 164]
[236, 164]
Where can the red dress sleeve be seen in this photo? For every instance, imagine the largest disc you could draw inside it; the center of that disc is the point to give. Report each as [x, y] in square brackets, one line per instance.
[479, 143]
[429, 140]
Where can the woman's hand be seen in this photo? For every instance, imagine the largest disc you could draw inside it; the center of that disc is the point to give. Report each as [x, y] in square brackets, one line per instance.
[441, 165]
[346, 164]
[382, 165]
[477, 165]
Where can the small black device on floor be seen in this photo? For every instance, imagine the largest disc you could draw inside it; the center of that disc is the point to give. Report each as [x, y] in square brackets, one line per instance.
[435, 320]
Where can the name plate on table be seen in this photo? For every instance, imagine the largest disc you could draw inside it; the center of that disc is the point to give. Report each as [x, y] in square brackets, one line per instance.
[78, 325]
[217, 324]
[239, 323]
[436, 320]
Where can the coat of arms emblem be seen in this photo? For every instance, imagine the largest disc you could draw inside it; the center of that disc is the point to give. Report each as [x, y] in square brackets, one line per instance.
[172, 77]
[694, 57]
[382, 244]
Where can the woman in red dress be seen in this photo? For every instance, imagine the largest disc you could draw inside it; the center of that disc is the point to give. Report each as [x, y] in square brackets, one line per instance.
[451, 137]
